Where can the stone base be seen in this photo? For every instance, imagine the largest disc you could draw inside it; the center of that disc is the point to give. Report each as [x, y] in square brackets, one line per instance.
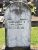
[17, 48]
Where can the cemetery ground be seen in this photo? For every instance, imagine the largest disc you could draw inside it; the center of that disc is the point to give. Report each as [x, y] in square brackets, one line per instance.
[34, 37]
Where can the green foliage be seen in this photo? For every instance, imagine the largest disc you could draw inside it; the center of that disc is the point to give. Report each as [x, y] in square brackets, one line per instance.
[32, 7]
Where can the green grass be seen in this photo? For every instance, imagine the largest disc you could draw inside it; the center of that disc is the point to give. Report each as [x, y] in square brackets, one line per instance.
[2, 36]
[34, 35]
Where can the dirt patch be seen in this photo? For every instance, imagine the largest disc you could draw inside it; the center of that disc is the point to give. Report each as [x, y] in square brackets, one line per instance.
[34, 18]
[34, 47]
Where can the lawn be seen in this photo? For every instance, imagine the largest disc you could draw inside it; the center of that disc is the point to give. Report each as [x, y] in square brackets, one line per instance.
[2, 36]
[34, 35]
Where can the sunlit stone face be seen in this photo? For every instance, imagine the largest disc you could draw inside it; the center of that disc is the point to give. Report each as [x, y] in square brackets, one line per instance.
[19, 0]
[18, 24]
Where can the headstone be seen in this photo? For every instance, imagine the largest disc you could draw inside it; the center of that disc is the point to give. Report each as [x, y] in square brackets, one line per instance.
[18, 25]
